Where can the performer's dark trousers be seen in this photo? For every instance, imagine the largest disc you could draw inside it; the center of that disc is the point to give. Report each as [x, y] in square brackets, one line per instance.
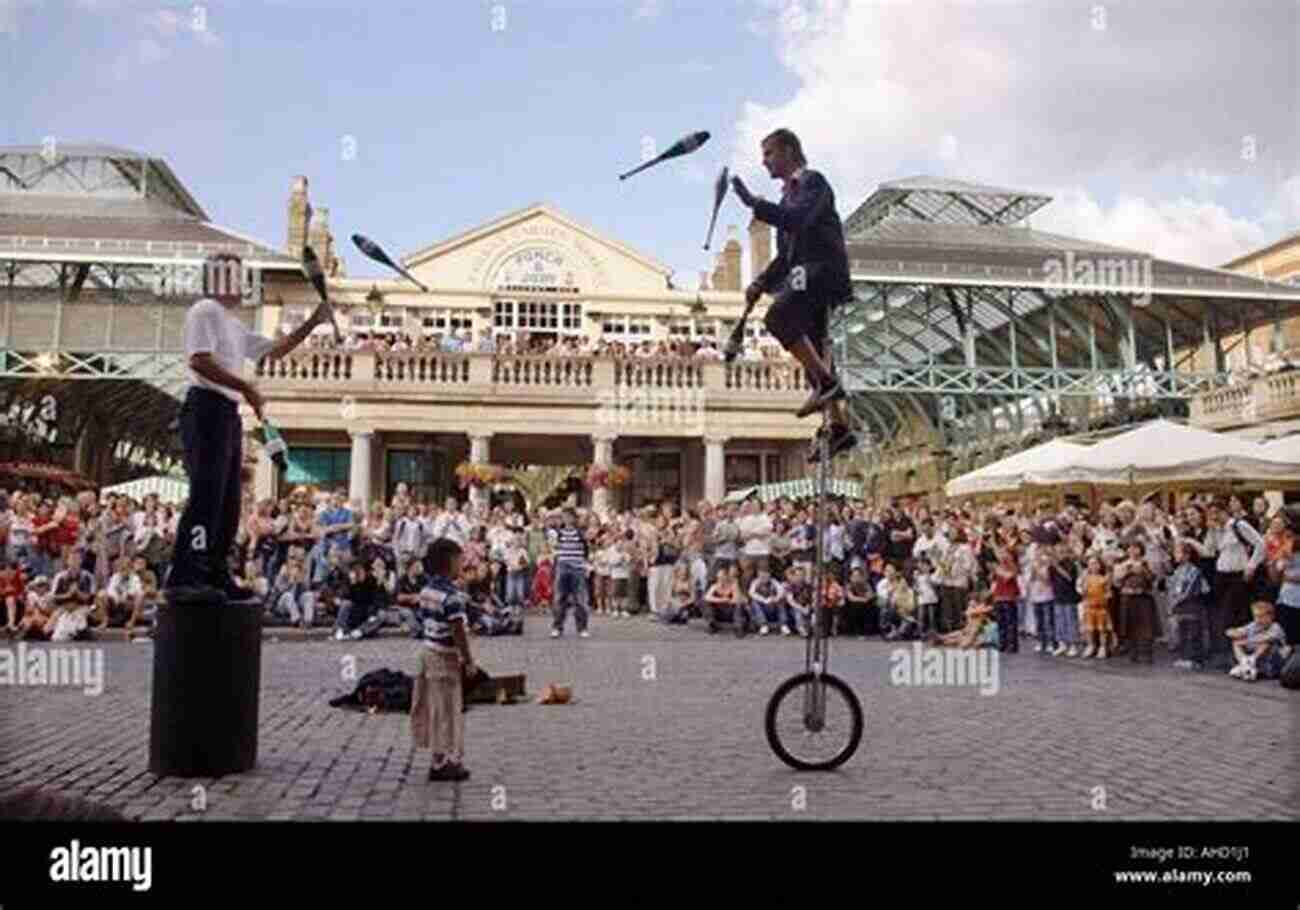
[800, 314]
[212, 438]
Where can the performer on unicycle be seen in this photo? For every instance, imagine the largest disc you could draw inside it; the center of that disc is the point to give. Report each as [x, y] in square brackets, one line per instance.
[808, 277]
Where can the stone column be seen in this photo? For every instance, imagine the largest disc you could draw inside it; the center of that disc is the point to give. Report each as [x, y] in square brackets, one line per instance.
[715, 479]
[604, 458]
[480, 452]
[359, 481]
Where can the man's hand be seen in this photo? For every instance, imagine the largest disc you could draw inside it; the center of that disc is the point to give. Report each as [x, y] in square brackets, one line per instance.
[752, 293]
[742, 192]
[254, 399]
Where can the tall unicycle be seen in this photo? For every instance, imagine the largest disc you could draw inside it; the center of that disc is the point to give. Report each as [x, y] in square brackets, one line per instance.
[814, 720]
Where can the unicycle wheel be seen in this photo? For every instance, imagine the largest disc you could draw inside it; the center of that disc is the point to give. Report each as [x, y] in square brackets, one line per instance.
[814, 723]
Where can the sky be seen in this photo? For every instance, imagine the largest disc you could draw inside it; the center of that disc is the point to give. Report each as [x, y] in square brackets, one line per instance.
[1168, 127]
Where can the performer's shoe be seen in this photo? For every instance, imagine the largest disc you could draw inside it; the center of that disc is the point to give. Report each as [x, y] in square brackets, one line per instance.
[821, 397]
[449, 772]
[842, 440]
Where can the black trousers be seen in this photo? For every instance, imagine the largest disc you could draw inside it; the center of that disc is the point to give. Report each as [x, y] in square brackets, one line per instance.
[213, 442]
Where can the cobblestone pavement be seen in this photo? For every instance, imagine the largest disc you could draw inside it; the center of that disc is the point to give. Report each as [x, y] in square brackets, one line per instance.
[689, 743]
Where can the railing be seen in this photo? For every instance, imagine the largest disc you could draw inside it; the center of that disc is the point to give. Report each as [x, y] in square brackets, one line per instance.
[766, 377]
[421, 369]
[1266, 398]
[653, 373]
[316, 366]
[574, 380]
[534, 370]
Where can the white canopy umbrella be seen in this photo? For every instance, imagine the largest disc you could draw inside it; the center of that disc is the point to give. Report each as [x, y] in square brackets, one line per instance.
[1285, 450]
[1009, 474]
[1166, 452]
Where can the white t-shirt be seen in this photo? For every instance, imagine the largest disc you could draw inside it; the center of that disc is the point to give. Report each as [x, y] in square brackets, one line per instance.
[212, 329]
[758, 529]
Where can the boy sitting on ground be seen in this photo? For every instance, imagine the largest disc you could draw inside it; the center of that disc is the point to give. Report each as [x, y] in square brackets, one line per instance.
[980, 630]
[1258, 646]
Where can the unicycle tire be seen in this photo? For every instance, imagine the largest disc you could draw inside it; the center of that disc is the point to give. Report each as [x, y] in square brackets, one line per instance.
[794, 689]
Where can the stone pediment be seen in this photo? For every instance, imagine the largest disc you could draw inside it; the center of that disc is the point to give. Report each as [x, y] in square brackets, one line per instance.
[536, 249]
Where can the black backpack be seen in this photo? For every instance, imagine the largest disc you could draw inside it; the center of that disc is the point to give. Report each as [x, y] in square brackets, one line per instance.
[384, 690]
[1290, 675]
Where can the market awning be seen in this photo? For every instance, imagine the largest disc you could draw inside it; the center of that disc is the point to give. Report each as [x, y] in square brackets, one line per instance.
[47, 472]
[798, 489]
[169, 489]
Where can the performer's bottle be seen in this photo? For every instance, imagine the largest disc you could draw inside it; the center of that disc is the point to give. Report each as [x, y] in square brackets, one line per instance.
[274, 446]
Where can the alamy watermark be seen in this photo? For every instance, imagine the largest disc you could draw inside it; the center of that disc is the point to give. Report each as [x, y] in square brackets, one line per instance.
[1078, 275]
[920, 666]
[208, 279]
[24, 666]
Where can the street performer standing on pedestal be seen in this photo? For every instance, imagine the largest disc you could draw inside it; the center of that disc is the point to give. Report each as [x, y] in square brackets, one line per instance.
[810, 274]
[216, 344]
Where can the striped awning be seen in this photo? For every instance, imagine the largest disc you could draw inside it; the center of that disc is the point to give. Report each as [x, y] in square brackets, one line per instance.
[807, 487]
[169, 489]
[739, 495]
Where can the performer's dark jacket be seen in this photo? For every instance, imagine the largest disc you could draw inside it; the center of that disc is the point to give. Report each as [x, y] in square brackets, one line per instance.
[809, 233]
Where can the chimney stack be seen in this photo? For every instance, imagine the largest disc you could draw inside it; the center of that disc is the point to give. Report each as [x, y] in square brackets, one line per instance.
[321, 242]
[731, 255]
[299, 209]
[760, 246]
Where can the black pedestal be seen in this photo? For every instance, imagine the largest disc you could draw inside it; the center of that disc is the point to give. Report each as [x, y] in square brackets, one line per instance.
[207, 673]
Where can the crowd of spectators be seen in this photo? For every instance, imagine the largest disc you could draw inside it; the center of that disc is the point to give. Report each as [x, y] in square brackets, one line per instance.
[462, 341]
[1216, 582]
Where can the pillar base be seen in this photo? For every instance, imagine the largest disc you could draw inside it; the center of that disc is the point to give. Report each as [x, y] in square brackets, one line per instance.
[206, 687]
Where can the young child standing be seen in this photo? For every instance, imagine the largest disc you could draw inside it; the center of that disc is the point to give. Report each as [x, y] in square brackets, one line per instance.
[1138, 607]
[1006, 597]
[1187, 592]
[437, 721]
[618, 559]
[1065, 600]
[927, 596]
[1094, 586]
[1042, 599]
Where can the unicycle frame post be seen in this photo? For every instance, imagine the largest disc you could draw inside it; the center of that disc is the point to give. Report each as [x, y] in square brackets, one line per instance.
[810, 692]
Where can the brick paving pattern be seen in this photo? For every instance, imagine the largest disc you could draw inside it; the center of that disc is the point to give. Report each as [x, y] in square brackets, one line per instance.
[689, 744]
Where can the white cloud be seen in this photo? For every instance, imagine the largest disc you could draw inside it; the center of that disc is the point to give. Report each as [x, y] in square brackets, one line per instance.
[948, 147]
[1040, 100]
[697, 68]
[164, 21]
[1182, 230]
[150, 51]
